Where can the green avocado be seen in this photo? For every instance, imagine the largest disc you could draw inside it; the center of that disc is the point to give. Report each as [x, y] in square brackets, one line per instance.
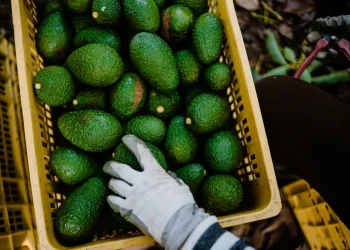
[198, 7]
[163, 106]
[218, 77]
[96, 65]
[223, 152]
[78, 6]
[72, 166]
[91, 98]
[107, 12]
[82, 21]
[54, 85]
[188, 67]
[180, 144]
[98, 35]
[155, 62]
[142, 15]
[127, 96]
[146, 127]
[207, 113]
[123, 155]
[52, 6]
[91, 130]
[192, 93]
[208, 37]
[53, 39]
[177, 23]
[221, 194]
[78, 215]
[192, 175]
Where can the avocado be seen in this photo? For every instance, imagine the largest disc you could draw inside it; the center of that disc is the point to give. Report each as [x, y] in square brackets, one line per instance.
[155, 62]
[78, 6]
[146, 127]
[198, 7]
[91, 98]
[142, 15]
[107, 12]
[127, 96]
[188, 67]
[96, 65]
[78, 215]
[54, 38]
[52, 6]
[218, 77]
[98, 35]
[160, 3]
[223, 152]
[72, 166]
[123, 155]
[221, 194]
[91, 130]
[180, 144]
[192, 93]
[177, 23]
[192, 175]
[82, 21]
[54, 86]
[207, 113]
[163, 106]
[208, 37]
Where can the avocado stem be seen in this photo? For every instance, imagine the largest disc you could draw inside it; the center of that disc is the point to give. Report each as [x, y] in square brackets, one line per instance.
[188, 121]
[95, 14]
[75, 102]
[37, 86]
[160, 109]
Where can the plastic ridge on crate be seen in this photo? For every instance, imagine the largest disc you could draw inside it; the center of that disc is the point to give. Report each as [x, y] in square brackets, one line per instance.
[262, 198]
[322, 228]
[17, 229]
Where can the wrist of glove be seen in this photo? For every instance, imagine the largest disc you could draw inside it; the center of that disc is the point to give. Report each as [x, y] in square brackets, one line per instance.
[161, 206]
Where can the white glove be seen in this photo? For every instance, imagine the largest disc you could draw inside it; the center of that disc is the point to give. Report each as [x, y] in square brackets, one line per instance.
[161, 206]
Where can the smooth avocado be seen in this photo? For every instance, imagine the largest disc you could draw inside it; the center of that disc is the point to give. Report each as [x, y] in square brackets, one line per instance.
[73, 166]
[192, 175]
[123, 155]
[78, 215]
[96, 64]
[180, 144]
[154, 60]
[221, 194]
[53, 39]
[198, 7]
[107, 12]
[208, 37]
[146, 127]
[177, 23]
[54, 85]
[207, 113]
[91, 130]
[127, 96]
[163, 106]
[223, 152]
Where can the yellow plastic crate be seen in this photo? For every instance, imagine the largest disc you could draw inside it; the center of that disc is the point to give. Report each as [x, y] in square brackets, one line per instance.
[322, 228]
[261, 192]
[16, 210]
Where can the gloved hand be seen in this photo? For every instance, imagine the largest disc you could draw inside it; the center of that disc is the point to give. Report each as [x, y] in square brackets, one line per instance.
[338, 26]
[161, 206]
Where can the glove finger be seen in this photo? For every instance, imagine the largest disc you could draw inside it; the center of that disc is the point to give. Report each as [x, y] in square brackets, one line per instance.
[121, 171]
[116, 203]
[313, 37]
[119, 187]
[141, 151]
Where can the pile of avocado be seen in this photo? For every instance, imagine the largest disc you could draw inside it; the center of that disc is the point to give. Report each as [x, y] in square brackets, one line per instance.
[150, 68]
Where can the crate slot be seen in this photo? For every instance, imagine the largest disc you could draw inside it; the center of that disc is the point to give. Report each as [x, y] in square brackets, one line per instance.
[17, 222]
